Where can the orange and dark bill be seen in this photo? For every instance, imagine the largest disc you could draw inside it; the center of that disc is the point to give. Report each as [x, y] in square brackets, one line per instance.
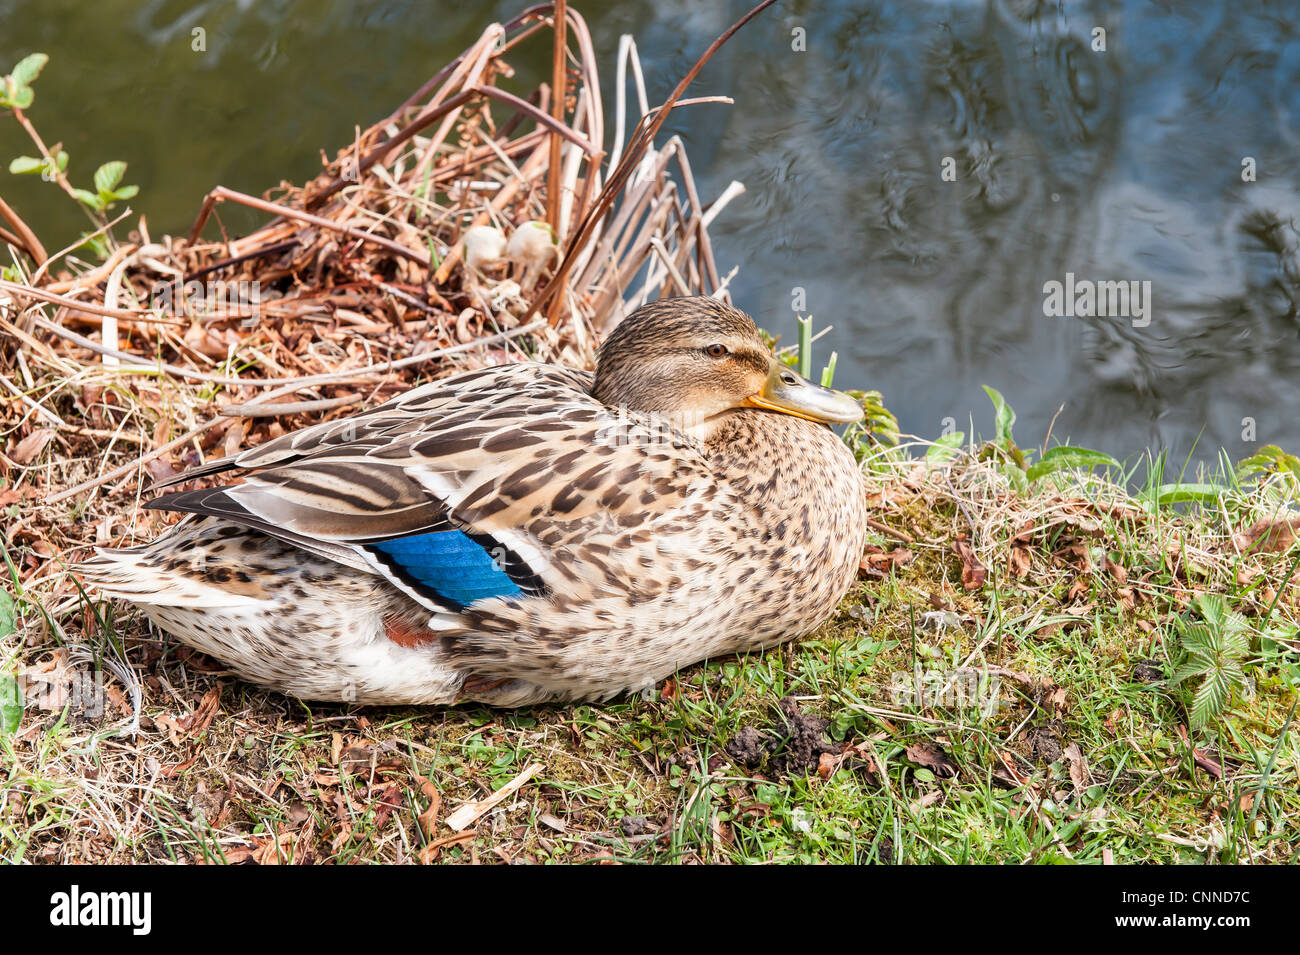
[793, 394]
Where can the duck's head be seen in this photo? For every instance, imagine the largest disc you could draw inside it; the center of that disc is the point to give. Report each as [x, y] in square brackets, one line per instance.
[695, 359]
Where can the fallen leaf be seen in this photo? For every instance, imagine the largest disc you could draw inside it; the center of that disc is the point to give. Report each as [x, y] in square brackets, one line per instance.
[1268, 536]
[1203, 760]
[1076, 555]
[204, 713]
[1019, 561]
[933, 758]
[1008, 773]
[972, 571]
[274, 851]
[429, 854]
[552, 821]
[428, 820]
[1116, 571]
[1078, 767]
[389, 800]
[929, 799]
[32, 445]
[827, 763]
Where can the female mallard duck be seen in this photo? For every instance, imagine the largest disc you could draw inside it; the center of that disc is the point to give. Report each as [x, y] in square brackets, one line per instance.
[524, 532]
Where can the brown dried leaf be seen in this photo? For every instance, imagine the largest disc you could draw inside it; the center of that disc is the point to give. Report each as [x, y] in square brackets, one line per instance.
[1078, 767]
[933, 758]
[876, 561]
[1268, 536]
[203, 714]
[389, 800]
[428, 820]
[1077, 556]
[32, 445]
[973, 572]
[827, 763]
[1112, 722]
[1116, 571]
[1019, 561]
[1203, 760]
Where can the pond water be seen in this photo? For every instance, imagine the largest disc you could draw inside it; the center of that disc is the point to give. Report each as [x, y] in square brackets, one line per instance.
[917, 174]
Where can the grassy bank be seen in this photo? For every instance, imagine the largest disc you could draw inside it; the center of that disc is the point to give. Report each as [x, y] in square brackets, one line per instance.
[1045, 626]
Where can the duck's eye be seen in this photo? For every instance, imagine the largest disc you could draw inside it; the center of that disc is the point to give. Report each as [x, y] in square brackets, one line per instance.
[716, 350]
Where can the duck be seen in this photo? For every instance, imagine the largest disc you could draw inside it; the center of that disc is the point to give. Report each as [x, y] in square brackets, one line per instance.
[521, 533]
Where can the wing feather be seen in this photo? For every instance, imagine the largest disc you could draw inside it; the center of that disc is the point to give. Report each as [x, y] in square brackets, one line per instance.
[516, 457]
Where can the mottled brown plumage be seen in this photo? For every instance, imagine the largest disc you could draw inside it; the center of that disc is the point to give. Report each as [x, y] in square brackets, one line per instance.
[664, 512]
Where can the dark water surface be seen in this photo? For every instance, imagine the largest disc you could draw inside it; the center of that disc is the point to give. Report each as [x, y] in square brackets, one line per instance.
[1122, 165]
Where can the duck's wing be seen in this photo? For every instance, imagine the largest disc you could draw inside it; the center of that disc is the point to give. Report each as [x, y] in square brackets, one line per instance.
[464, 490]
[443, 399]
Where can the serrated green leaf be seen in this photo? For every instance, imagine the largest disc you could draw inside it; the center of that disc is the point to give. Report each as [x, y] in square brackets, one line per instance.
[26, 165]
[28, 68]
[22, 97]
[11, 705]
[945, 447]
[109, 175]
[1066, 456]
[1003, 415]
[1236, 643]
[1199, 638]
[1191, 668]
[1211, 699]
[1211, 608]
[126, 192]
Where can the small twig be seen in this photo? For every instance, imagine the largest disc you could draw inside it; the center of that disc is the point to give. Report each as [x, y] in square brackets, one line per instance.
[471, 812]
[559, 84]
[256, 410]
[75, 305]
[890, 531]
[32, 244]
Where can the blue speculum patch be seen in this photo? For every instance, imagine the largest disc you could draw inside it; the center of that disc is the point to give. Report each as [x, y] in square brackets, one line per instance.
[450, 564]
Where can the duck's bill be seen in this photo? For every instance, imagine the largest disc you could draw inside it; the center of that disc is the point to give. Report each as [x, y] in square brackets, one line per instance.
[794, 394]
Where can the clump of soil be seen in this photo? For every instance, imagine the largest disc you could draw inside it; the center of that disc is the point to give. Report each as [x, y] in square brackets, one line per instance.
[634, 825]
[792, 746]
[1044, 741]
[1148, 671]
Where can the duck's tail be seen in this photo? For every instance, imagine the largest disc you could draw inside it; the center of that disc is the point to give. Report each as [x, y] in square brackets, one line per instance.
[190, 567]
